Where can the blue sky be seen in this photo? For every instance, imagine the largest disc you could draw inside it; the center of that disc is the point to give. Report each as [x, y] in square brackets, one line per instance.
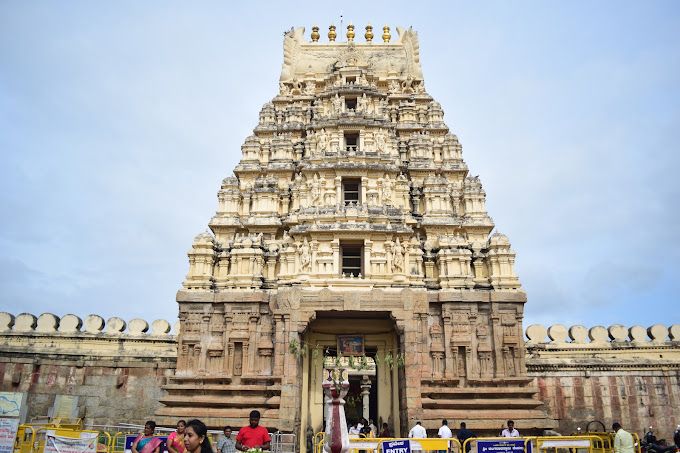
[118, 121]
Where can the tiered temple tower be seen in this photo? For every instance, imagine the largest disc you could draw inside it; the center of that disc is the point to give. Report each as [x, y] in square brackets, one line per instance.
[352, 214]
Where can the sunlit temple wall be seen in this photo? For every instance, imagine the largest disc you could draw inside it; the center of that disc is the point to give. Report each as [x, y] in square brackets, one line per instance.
[117, 369]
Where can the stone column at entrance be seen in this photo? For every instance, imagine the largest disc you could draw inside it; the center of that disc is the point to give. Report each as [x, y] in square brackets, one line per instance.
[365, 392]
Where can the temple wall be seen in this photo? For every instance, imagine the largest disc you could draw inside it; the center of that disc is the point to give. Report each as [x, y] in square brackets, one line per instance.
[117, 369]
[630, 375]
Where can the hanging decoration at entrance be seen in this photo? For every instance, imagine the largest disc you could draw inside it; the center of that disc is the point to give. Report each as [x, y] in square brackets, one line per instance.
[390, 358]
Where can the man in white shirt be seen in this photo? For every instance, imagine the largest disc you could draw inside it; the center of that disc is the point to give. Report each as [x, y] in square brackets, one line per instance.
[418, 432]
[510, 431]
[445, 431]
[623, 440]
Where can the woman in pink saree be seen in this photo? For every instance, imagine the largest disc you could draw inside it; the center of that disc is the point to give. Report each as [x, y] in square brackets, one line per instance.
[146, 442]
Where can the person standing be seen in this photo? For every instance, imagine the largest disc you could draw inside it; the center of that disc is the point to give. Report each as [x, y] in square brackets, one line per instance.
[147, 442]
[175, 440]
[253, 435]
[676, 436]
[417, 432]
[463, 435]
[385, 432]
[510, 431]
[196, 437]
[623, 440]
[445, 433]
[226, 444]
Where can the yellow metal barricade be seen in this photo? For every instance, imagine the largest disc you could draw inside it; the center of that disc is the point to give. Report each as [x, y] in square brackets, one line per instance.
[470, 440]
[591, 443]
[318, 442]
[374, 444]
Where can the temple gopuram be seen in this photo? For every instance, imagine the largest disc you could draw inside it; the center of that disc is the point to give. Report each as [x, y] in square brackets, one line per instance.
[352, 232]
[351, 235]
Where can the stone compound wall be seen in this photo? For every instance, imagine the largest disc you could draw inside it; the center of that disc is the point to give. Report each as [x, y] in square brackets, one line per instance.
[631, 375]
[115, 368]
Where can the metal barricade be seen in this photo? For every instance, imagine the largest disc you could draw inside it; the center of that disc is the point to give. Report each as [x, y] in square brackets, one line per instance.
[283, 443]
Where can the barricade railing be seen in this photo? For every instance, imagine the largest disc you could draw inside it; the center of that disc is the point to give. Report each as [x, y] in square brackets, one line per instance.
[575, 444]
[318, 442]
[283, 443]
[420, 444]
[507, 440]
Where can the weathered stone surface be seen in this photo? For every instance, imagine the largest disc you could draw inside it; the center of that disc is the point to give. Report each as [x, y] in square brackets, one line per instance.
[658, 333]
[578, 334]
[94, 324]
[137, 327]
[638, 334]
[25, 322]
[618, 332]
[160, 327]
[70, 323]
[536, 333]
[598, 334]
[6, 321]
[47, 323]
[674, 332]
[115, 325]
[557, 333]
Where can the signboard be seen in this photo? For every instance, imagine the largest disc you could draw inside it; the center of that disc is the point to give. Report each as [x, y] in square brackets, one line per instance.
[564, 443]
[130, 438]
[396, 446]
[8, 433]
[86, 443]
[11, 404]
[502, 446]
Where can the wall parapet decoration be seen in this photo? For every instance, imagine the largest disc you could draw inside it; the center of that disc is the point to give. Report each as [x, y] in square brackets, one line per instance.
[49, 323]
[578, 336]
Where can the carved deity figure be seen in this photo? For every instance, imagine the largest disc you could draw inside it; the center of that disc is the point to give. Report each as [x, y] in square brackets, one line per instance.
[398, 257]
[387, 187]
[361, 80]
[380, 141]
[322, 141]
[362, 104]
[305, 256]
[310, 88]
[284, 89]
[315, 190]
[393, 86]
[337, 104]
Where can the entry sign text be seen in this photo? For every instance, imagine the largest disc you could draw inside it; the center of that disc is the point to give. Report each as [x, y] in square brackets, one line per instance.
[396, 446]
[502, 446]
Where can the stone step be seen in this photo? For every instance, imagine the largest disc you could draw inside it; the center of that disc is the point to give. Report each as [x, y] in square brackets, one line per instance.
[223, 379]
[221, 388]
[481, 403]
[221, 401]
[492, 427]
[488, 392]
[216, 418]
[483, 414]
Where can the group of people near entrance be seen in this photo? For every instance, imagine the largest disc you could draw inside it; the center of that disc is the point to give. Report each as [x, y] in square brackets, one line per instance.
[192, 437]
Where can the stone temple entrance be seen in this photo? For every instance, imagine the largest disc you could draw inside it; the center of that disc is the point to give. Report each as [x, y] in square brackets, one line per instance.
[373, 380]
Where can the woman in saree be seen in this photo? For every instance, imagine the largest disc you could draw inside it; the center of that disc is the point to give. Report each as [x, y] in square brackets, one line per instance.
[146, 442]
[175, 440]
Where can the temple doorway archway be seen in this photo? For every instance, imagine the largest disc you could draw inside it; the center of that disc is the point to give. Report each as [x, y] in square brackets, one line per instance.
[365, 343]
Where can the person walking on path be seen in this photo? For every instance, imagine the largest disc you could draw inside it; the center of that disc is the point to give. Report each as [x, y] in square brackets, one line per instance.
[226, 444]
[510, 431]
[623, 440]
[417, 432]
[253, 435]
[463, 435]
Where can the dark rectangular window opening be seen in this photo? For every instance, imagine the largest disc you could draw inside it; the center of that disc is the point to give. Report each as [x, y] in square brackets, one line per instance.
[351, 191]
[350, 80]
[352, 258]
[351, 103]
[351, 142]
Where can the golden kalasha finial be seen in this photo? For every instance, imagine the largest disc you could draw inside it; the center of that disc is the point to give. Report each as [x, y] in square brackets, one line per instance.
[315, 33]
[350, 33]
[369, 33]
[331, 33]
[386, 34]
